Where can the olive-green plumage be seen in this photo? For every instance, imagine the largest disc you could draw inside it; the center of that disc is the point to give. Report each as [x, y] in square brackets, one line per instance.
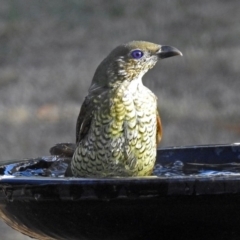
[118, 127]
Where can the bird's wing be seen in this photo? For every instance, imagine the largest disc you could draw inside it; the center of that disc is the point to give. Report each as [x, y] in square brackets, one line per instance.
[91, 102]
[159, 129]
[84, 118]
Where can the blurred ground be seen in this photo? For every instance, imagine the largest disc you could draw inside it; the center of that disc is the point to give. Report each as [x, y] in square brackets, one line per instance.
[49, 51]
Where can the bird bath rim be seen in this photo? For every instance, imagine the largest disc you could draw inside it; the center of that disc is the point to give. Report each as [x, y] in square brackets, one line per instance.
[122, 208]
[119, 187]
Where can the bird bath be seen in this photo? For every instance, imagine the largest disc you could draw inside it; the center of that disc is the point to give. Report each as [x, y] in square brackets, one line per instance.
[194, 193]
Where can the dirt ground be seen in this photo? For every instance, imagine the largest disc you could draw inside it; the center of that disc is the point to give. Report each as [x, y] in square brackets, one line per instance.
[49, 51]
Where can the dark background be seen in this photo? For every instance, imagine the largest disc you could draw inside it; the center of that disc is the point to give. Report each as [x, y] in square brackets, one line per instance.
[49, 51]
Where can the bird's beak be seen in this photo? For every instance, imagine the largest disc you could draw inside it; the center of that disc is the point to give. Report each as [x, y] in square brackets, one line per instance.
[168, 51]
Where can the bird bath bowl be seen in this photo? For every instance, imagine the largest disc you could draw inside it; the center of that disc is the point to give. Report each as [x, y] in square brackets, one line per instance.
[200, 201]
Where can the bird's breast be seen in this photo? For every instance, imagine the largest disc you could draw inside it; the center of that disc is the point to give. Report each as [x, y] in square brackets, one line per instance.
[133, 112]
[122, 136]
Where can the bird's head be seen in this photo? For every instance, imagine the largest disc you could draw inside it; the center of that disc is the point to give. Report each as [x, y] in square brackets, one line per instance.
[130, 61]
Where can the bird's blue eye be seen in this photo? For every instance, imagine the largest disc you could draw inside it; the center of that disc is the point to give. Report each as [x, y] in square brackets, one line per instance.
[136, 54]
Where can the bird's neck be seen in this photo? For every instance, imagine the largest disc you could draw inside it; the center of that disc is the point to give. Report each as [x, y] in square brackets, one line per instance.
[135, 84]
[130, 84]
[116, 82]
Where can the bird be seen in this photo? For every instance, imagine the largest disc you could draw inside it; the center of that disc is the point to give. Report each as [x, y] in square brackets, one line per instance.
[119, 128]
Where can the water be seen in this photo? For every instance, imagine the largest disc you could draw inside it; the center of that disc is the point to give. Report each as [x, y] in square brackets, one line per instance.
[56, 167]
[178, 168]
[40, 167]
